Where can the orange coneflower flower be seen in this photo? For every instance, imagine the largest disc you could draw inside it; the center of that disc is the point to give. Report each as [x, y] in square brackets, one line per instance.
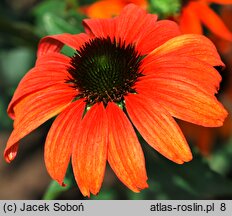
[195, 12]
[131, 62]
[109, 8]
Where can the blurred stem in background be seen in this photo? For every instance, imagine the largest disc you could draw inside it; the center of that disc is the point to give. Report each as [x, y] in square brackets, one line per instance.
[19, 33]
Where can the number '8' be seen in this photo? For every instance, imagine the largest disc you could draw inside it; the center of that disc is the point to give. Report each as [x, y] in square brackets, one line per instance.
[223, 207]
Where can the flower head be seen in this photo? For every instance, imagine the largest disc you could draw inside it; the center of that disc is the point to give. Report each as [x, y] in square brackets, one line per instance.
[197, 12]
[131, 62]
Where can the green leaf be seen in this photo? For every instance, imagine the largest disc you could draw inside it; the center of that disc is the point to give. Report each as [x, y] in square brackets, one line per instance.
[165, 8]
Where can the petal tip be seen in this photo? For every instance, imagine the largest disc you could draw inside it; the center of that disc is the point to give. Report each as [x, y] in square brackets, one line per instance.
[10, 153]
[139, 187]
[61, 183]
[86, 193]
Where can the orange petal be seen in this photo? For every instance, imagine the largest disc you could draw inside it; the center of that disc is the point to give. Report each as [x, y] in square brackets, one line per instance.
[185, 69]
[184, 101]
[125, 155]
[152, 36]
[189, 21]
[130, 21]
[158, 128]
[126, 27]
[49, 70]
[212, 21]
[34, 110]
[135, 25]
[59, 142]
[196, 46]
[90, 142]
[100, 27]
[54, 43]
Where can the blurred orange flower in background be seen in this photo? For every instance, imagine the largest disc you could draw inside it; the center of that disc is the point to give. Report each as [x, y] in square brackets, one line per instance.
[197, 12]
[206, 138]
[109, 8]
[224, 47]
[132, 62]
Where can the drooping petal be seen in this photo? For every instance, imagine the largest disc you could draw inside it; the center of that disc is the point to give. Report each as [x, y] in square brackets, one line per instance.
[191, 45]
[49, 70]
[90, 150]
[189, 21]
[212, 20]
[184, 69]
[34, 110]
[158, 128]
[53, 59]
[59, 142]
[125, 155]
[184, 101]
[54, 43]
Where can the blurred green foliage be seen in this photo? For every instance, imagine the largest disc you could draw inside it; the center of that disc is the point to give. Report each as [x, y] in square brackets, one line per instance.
[165, 9]
[56, 17]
